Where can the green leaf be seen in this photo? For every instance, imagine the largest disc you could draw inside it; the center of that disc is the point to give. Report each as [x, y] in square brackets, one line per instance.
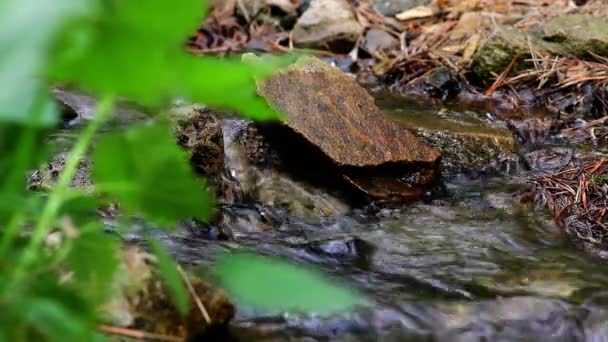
[275, 285]
[173, 280]
[24, 52]
[168, 21]
[53, 321]
[80, 206]
[94, 260]
[20, 151]
[137, 51]
[148, 173]
[53, 311]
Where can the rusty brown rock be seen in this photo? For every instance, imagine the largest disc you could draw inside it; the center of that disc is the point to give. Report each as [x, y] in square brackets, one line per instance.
[340, 117]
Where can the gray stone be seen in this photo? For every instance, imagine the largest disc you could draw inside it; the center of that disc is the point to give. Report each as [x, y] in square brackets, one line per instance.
[79, 107]
[376, 40]
[325, 22]
[392, 7]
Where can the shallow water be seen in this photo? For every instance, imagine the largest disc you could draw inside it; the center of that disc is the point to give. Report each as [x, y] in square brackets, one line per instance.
[461, 268]
[473, 265]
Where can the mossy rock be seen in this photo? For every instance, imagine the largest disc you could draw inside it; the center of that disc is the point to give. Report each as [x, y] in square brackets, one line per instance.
[501, 48]
[570, 35]
[576, 35]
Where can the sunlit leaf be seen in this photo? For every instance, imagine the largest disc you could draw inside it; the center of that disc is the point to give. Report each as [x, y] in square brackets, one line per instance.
[53, 321]
[80, 207]
[171, 275]
[168, 21]
[148, 173]
[53, 310]
[271, 284]
[16, 159]
[140, 54]
[24, 53]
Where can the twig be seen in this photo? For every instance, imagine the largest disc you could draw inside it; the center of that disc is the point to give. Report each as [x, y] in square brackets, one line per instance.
[244, 10]
[196, 298]
[502, 77]
[138, 334]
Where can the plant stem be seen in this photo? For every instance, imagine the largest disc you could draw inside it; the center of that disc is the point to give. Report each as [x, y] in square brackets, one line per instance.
[10, 232]
[56, 197]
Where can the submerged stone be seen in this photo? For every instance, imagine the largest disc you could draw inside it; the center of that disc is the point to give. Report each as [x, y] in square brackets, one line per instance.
[465, 141]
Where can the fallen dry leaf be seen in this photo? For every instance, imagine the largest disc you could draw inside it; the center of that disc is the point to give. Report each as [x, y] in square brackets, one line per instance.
[468, 24]
[415, 13]
[470, 48]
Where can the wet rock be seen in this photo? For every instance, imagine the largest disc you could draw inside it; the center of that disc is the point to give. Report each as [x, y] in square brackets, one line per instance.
[142, 301]
[577, 35]
[256, 174]
[46, 177]
[546, 283]
[376, 40]
[200, 132]
[465, 141]
[243, 169]
[327, 23]
[503, 309]
[77, 107]
[392, 7]
[441, 84]
[513, 319]
[300, 200]
[332, 113]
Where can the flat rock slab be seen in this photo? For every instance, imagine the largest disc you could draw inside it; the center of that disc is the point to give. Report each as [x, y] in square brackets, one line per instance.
[330, 110]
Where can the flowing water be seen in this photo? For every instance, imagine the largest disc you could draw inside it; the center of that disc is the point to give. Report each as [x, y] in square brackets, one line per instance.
[472, 265]
[463, 268]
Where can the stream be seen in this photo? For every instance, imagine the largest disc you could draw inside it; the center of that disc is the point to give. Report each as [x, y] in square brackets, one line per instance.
[471, 265]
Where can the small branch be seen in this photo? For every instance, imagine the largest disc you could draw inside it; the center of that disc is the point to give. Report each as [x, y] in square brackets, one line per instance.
[197, 300]
[138, 334]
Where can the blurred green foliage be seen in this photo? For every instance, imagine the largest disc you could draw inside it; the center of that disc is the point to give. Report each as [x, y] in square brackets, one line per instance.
[152, 176]
[276, 285]
[133, 49]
